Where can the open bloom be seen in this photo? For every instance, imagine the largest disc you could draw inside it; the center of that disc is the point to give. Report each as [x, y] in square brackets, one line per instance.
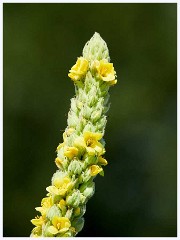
[71, 152]
[90, 141]
[60, 225]
[95, 169]
[102, 161]
[38, 221]
[105, 71]
[60, 186]
[79, 69]
[46, 203]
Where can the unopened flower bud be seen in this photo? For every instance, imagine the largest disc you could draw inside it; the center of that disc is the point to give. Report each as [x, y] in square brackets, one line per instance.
[78, 224]
[75, 167]
[74, 199]
[53, 211]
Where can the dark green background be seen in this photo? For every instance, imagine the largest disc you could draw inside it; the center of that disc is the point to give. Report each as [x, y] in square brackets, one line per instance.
[137, 196]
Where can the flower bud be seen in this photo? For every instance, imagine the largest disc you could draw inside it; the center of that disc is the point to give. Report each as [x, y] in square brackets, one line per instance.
[78, 224]
[75, 167]
[87, 112]
[73, 105]
[53, 211]
[69, 213]
[85, 175]
[96, 48]
[45, 232]
[87, 189]
[71, 152]
[89, 160]
[72, 119]
[74, 199]
[96, 115]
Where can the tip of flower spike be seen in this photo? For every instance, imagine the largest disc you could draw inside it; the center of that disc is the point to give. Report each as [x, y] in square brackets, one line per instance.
[96, 49]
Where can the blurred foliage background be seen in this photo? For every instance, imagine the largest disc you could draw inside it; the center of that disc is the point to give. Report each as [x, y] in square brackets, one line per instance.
[137, 197]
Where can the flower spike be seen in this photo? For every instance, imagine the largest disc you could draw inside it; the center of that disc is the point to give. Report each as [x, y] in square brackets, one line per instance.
[80, 157]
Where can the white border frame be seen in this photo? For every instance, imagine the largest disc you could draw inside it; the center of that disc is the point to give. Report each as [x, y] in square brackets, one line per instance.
[1, 104]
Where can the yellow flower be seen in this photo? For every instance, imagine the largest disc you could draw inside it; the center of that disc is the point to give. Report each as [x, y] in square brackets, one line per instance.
[46, 203]
[60, 225]
[70, 131]
[102, 161]
[79, 69]
[105, 71]
[77, 211]
[62, 205]
[61, 186]
[36, 232]
[60, 146]
[89, 141]
[59, 162]
[95, 169]
[38, 221]
[71, 152]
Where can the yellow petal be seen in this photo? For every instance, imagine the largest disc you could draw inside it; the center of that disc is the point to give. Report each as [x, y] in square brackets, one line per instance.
[53, 190]
[91, 151]
[95, 169]
[60, 146]
[55, 220]
[52, 230]
[77, 211]
[70, 131]
[62, 192]
[91, 135]
[79, 69]
[71, 152]
[79, 142]
[63, 230]
[113, 82]
[106, 70]
[62, 204]
[37, 221]
[61, 182]
[39, 209]
[102, 161]
[59, 162]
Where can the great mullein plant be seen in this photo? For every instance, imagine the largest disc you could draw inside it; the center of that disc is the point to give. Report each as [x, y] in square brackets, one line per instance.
[81, 155]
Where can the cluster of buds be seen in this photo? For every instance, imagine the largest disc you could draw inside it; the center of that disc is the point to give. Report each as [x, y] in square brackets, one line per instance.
[81, 155]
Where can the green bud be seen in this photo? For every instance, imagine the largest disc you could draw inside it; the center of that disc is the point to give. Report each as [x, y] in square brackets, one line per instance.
[96, 49]
[45, 232]
[74, 199]
[69, 213]
[106, 99]
[78, 224]
[82, 210]
[72, 119]
[101, 123]
[75, 167]
[96, 115]
[106, 108]
[88, 127]
[86, 175]
[89, 160]
[53, 211]
[66, 234]
[87, 112]
[88, 189]
[73, 105]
